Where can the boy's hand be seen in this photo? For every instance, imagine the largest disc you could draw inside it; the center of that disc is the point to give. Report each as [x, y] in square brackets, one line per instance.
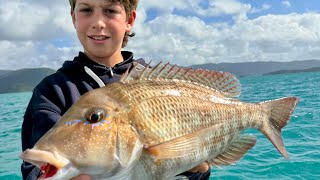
[201, 168]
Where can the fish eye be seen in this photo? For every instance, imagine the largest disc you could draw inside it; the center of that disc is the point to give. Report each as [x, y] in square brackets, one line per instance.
[95, 115]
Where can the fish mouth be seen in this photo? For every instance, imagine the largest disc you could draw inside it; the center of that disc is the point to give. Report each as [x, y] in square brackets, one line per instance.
[48, 171]
[49, 163]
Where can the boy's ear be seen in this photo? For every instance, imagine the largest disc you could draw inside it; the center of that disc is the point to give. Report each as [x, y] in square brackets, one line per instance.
[73, 18]
[131, 20]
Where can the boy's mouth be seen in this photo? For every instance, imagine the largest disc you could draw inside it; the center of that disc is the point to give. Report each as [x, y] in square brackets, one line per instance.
[98, 37]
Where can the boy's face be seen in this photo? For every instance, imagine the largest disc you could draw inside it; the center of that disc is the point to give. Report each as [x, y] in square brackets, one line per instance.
[101, 26]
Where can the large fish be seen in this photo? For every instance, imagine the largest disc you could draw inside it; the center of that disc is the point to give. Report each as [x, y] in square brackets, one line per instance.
[156, 123]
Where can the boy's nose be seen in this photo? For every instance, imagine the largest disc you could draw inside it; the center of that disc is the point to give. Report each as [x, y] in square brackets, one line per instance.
[98, 22]
[98, 25]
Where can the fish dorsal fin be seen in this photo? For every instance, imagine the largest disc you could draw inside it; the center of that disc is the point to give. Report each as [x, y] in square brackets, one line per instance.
[182, 146]
[224, 82]
[235, 151]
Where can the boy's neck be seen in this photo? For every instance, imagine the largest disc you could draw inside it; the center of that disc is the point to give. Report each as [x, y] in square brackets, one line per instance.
[107, 61]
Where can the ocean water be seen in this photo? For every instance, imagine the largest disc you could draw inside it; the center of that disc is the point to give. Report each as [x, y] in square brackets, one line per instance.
[301, 136]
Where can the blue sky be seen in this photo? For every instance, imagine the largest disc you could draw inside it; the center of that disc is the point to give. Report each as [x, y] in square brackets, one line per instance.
[185, 32]
[276, 7]
[285, 7]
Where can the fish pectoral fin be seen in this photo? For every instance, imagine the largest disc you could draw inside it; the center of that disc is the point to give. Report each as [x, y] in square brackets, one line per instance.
[183, 145]
[235, 151]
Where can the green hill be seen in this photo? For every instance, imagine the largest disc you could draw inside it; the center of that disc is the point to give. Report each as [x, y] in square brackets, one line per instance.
[314, 69]
[259, 68]
[22, 80]
[26, 79]
[2, 72]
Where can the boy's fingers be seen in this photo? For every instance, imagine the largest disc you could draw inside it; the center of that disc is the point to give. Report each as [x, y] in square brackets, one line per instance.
[201, 168]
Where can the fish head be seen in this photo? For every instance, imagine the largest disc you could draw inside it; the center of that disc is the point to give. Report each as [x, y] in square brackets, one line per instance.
[93, 137]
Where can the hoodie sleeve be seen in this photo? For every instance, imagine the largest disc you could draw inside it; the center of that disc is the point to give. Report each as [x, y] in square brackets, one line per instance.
[43, 111]
[196, 175]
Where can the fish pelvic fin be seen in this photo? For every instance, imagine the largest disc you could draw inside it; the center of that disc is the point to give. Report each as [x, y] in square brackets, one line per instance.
[279, 111]
[234, 152]
[224, 82]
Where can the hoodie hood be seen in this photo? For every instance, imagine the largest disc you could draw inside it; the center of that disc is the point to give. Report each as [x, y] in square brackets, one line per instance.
[106, 74]
[82, 60]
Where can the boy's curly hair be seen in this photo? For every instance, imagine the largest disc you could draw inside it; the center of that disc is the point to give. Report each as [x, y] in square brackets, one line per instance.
[129, 6]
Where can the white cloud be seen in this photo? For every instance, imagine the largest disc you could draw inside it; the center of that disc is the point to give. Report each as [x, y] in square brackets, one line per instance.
[30, 30]
[165, 6]
[26, 54]
[27, 20]
[189, 40]
[263, 8]
[217, 8]
[286, 3]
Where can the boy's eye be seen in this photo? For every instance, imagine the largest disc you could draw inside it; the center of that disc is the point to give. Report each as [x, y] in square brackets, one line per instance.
[109, 11]
[86, 10]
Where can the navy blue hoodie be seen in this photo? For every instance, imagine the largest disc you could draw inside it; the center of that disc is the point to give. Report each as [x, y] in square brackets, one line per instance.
[55, 94]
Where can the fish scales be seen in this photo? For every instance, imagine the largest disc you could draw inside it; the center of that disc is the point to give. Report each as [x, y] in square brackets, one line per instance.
[185, 113]
[148, 89]
[164, 166]
[156, 123]
[189, 114]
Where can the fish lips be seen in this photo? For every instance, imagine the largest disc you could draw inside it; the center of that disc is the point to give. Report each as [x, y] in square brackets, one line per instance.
[53, 165]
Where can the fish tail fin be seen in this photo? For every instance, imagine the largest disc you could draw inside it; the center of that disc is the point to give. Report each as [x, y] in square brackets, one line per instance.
[280, 111]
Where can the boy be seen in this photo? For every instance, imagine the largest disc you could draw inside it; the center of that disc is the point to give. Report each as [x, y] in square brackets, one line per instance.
[103, 28]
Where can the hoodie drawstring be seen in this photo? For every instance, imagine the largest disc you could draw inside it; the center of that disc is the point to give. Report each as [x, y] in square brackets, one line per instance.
[95, 77]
